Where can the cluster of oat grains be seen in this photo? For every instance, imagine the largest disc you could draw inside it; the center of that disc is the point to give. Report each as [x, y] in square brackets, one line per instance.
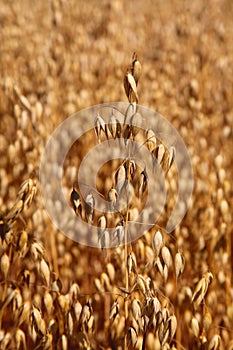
[161, 291]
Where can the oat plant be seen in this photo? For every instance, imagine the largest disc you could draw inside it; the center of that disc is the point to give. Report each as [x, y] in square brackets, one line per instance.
[144, 308]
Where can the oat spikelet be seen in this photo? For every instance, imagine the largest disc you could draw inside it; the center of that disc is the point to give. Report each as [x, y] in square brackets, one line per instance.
[201, 289]
[5, 264]
[45, 271]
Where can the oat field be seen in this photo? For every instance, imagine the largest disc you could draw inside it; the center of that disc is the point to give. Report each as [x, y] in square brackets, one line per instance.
[163, 290]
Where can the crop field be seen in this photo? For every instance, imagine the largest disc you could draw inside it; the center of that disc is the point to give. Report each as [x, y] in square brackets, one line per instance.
[107, 284]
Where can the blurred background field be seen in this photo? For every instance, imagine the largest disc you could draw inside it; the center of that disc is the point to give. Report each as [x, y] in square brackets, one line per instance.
[64, 56]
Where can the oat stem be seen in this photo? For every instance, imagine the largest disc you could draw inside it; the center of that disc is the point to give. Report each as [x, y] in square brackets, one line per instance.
[126, 276]
[54, 252]
[229, 272]
[178, 329]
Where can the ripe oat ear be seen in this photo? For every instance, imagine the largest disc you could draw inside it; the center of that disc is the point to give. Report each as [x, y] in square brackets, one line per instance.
[100, 127]
[136, 68]
[75, 200]
[131, 79]
[114, 127]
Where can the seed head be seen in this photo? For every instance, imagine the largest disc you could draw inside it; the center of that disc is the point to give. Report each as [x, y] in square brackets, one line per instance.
[157, 242]
[5, 264]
